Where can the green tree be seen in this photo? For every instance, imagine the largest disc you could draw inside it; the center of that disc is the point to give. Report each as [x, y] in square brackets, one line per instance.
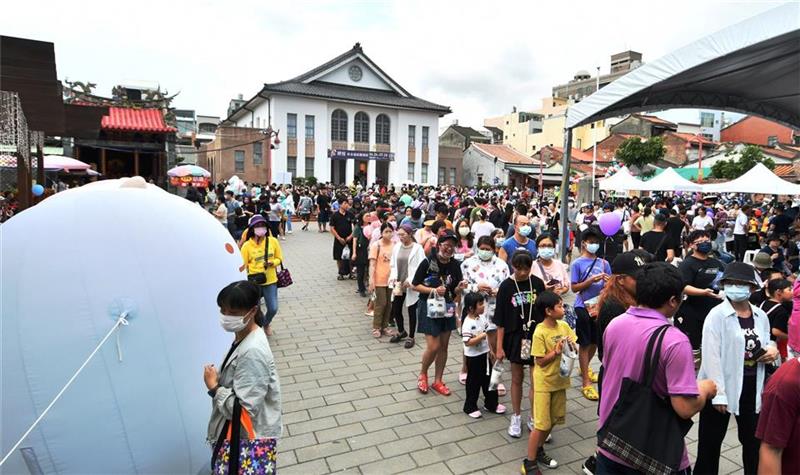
[635, 153]
[748, 158]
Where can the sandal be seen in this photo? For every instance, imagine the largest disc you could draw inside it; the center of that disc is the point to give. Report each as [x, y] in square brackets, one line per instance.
[422, 383]
[376, 333]
[590, 393]
[592, 375]
[440, 388]
[339, 277]
[409, 343]
[462, 378]
[501, 389]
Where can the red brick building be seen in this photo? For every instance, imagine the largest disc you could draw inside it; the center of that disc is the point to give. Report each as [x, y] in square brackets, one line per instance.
[681, 147]
[758, 131]
[240, 151]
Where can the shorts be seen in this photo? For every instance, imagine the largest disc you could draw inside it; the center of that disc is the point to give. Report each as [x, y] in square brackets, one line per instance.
[549, 409]
[432, 326]
[585, 327]
[323, 217]
[304, 215]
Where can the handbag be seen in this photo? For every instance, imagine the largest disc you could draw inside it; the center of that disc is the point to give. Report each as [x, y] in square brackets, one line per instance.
[261, 277]
[527, 332]
[258, 455]
[437, 306]
[284, 277]
[643, 429]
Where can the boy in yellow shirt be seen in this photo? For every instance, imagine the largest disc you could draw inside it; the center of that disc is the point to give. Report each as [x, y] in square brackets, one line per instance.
[550, 388]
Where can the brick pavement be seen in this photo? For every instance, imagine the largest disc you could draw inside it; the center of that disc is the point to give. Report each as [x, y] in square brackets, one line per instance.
[350, 403]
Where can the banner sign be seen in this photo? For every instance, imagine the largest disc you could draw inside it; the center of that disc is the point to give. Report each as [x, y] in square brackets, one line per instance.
[184, 181]
[361, 155]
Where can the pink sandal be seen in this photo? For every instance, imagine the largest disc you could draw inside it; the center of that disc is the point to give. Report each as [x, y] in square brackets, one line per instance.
[422, 383]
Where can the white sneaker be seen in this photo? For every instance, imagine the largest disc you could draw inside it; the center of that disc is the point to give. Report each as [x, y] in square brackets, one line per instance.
[515, 427]
[289, 231]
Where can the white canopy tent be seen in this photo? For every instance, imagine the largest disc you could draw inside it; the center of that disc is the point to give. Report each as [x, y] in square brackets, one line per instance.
[759, 179]
[669, 180]
[750, 67]
[620, 181]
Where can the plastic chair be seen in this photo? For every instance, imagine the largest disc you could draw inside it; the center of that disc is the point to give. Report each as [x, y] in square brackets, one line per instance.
[749, 256]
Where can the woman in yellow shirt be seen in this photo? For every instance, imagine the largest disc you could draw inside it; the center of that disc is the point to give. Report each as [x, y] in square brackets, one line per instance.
[262, 255]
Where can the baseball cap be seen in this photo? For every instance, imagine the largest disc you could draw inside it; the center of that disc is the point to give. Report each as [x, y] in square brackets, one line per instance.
[448, 234]
[762, 261]
[628, 263]
[740, 271]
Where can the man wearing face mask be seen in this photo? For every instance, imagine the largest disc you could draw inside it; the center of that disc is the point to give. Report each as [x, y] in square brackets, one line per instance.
[520, 240]
[701, 275]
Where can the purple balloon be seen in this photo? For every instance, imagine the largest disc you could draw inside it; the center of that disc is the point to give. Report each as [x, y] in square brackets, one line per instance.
[609, 223]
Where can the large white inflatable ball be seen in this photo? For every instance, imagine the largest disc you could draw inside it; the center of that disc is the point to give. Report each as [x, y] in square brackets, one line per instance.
[68, 268]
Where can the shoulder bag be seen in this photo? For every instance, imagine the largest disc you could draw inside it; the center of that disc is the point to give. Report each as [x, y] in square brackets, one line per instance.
[643, 429]
[260, 278]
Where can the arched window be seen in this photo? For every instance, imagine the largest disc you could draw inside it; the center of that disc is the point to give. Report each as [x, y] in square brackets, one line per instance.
[361, 128]
[339, 126]
[382, 126]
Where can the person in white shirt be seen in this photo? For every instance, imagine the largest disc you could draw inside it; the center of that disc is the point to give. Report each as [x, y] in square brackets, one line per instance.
[474, 333]
[481, 227]
[702, 222]
[740, 232]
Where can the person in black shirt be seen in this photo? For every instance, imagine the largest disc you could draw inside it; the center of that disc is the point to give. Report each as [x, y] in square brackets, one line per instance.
[701, 274]
[780, 223]
[674, 230]
[778, 308]
[768, 274]
[516, 322]
[323, 210]
[342, 230]
[656, 241]
[439, 274]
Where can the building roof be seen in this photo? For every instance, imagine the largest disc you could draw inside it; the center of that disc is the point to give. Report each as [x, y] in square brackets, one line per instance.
[756, 130]
[692, 138]
[784, 171]
[126, 119]
[354, 94]
[778, 152]
[656, 120]
[504, 153]
[466, 131]
[577, 154]
[309, 85]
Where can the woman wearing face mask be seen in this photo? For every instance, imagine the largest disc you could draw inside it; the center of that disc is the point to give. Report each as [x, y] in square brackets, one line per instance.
[484, 272]
[245, 392]
[736, 347]
[406, 257]
[466, 243]
[499, 237]
[552, 271]
[380, 258]
[701, 274]
[262, 255]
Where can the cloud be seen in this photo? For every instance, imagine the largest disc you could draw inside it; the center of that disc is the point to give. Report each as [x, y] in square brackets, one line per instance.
[479, 58]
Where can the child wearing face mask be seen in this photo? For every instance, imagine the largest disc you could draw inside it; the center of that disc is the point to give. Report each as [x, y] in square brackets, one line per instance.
[249, 367]
[464, 250]
[778, 307]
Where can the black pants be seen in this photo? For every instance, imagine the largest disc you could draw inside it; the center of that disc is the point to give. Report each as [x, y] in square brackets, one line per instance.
[740, 246]
[477, 380]
[397, 315]
[636, 238]
[361, 277]
[714, 425]
[275, 228]
[344, 266]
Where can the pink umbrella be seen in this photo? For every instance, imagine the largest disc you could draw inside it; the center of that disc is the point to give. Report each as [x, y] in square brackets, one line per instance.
[60, 162]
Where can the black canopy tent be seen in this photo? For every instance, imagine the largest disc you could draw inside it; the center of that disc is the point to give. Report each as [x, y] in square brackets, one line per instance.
[751, 67]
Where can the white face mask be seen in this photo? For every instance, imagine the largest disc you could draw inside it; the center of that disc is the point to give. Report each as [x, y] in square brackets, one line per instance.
[233, 323]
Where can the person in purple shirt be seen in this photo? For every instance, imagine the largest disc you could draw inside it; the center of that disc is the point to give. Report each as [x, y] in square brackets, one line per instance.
[658, 295]
[589, 274]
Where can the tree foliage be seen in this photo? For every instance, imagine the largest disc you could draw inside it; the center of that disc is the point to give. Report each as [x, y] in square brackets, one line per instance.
[748, 158]
[635, 153]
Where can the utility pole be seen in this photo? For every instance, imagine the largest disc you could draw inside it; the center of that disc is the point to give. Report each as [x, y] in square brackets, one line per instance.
[594, 139]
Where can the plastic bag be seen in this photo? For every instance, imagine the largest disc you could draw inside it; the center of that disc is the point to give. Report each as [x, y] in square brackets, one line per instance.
[498, 369]
[346, 253]
[437, 307]
[569, 353]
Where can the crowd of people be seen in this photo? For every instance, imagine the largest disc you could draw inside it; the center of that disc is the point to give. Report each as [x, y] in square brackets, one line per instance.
[693, 301]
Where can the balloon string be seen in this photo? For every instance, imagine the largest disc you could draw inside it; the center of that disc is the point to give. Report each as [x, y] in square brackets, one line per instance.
[120, 321]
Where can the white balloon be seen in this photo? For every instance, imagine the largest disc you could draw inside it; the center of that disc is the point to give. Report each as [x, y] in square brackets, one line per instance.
[69, 266]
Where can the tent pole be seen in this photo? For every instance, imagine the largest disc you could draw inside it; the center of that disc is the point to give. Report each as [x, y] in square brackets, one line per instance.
[564, 232]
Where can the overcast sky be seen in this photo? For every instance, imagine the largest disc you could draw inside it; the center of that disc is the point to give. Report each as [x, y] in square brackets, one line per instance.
[479, 58]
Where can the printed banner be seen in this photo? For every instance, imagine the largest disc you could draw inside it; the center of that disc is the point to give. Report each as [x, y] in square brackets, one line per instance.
[361, 155]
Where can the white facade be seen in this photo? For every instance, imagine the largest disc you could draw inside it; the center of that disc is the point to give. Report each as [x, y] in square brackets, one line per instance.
[354, 70]
[481, 168]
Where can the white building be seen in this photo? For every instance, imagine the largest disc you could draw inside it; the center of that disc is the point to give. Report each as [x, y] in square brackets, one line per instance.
[347, 119]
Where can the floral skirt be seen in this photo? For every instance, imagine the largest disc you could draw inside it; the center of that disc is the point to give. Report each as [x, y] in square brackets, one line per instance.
[256, 457]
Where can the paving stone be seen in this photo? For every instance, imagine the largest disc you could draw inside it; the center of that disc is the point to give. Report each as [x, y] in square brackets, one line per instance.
[399, 464]
[358, 416]
[297, 416]
[437, 454]
[316, 467]
[435, 469]
[312, 425]
[451, 434]
[483, 442]
[404, 446]
[296, 441]
[286, 458]
[421, 427]
[353, 458]
[339, 432]
[322, 450]
[385, 422]
[400, 407]
[470, 463]
[373, 438]
[330, 410]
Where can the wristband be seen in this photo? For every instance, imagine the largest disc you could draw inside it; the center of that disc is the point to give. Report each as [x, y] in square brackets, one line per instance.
[213, 391]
